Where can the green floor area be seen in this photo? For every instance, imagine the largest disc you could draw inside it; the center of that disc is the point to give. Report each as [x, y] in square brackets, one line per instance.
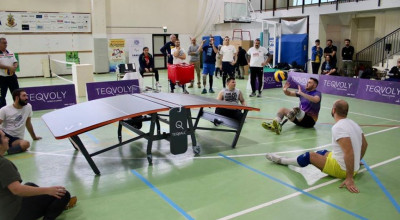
[221, 183]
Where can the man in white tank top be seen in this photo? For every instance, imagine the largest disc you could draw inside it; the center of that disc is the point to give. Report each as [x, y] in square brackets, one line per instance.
[348, 148]
[230, 94]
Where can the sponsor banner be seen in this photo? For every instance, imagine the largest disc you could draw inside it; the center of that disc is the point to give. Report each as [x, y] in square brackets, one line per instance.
[98, 90]
[269, 81]
[135, 47]
[51, 97]
[295, 79]
[379, 91]
[116, 52]
[338, 85]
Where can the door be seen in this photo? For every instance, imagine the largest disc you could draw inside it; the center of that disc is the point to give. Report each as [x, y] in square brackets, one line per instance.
[159, 40]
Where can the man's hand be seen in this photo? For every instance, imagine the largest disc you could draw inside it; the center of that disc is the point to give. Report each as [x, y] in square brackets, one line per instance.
[56, 191]
[37, 138]
[151, 69]
[349, 183]
[299, 90]
[233, 63]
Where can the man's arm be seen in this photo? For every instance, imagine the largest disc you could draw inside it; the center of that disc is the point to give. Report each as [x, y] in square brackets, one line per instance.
[18, 189]
[183, 56]
[29, 127]
[314, 99]
[286, 91]
[220, 96]
[364, 146]
[334, 49]
[163, 49]
[347, 148]
[241, 99]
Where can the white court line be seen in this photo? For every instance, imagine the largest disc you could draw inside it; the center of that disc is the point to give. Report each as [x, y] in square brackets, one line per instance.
[252, 209]
[356, 113]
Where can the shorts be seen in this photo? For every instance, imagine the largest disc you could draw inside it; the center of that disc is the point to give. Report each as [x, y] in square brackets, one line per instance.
[230, 113]
[11, 139]
[333, 168]
[307, 122]
[208, 69]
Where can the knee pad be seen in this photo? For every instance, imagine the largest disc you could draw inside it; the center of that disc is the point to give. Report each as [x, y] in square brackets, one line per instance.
[321, 152]
[304, 159]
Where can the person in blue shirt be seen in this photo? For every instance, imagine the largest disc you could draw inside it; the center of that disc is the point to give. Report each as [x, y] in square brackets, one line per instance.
[316, 57]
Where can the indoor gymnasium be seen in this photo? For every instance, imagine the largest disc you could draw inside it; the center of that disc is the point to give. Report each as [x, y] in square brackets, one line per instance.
[199, 109]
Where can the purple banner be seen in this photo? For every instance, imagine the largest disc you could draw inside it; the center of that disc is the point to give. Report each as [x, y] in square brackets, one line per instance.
[338, 85]
[379, 91]
[98, 90]
[269, 81]
[51, 97]
[295, 78]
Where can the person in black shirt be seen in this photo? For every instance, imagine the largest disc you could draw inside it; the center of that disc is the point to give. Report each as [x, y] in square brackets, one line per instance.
[242, 61]
[328, 67]
[166, 49]
[347, 56]
[330, 49]
[146, 62]
[394, 73]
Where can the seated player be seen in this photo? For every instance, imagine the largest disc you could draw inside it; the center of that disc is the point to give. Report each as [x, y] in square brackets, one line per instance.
[146, 62]
[328, 67]
[231, 94]
[306, 114]
[348, 148]
[28, 201]
[394, 73]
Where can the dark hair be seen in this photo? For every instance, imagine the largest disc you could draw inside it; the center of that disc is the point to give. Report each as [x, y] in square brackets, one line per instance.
[330, 40]
[17, 93]
[330, 57]
[257, 39]
[144, 48]
[347, 40]
[230, 79]
[315, 80]
[317, 41]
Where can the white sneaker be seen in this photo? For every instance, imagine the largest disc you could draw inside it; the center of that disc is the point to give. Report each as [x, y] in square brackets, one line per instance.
[158, 85]
[274, 158]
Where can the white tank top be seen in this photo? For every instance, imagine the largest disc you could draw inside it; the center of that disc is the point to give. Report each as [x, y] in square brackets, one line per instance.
[231, 96]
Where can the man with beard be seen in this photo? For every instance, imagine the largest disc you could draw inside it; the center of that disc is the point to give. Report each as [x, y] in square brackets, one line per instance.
[306, 114]
[348, 148]
[14, 118]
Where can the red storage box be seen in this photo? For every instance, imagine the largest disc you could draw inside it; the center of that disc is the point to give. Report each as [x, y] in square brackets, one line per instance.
[181, 73]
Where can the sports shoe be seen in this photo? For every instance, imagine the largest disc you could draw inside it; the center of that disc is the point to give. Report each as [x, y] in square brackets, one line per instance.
[259, 95]
[293, 113]
[71, 203]
[191, 85]
[204, 91]
[211, 91]
[268, 126]
[274, 158]
[277, 126]
[252, 94]
[185, 91]
[198, 85]
[158, 85]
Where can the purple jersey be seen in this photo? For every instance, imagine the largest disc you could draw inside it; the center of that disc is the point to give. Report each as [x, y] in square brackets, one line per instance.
[310, 108]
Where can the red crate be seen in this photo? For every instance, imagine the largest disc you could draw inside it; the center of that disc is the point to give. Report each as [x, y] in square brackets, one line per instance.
[181, 73]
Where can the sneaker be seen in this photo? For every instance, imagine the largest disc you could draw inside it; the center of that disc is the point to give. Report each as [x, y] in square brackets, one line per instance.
[259, 95]
[158, 85]
[185, 91]
[211, 91]
[204, 91]
[190, 86]
[71, 203]
[199, 85]
[217, 121]
[252, 94]
[277, 126]
[268, 126]
[274, 158]
[293, 113]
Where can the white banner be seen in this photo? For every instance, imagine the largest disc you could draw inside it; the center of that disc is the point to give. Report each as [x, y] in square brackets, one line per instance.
[135, 47]
[294, 27]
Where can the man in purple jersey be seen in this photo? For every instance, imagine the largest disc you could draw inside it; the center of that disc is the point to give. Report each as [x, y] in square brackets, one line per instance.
[306, 114]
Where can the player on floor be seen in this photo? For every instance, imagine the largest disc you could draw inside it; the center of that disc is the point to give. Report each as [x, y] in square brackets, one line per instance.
[306, 114]
[348, 148]
[14, 118]
[231, 94]
[209, 59]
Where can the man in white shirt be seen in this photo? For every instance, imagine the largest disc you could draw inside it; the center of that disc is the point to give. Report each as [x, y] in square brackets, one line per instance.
[14, 118]
[8, 66]
[348, 148]
[179, 56]
[229, 59]
[258, 59]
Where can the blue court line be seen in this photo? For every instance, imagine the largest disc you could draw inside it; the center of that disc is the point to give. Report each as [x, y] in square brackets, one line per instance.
[390, 197]
[91, 136]
[292, 187]
[169, 201]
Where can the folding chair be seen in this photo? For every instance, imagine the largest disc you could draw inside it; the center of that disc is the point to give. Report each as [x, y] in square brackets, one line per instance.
[125, 68]
[152, 75]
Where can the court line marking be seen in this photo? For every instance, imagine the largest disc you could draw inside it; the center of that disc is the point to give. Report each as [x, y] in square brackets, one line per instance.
[390, 197]
[234, 215]
[162, 195]
[292, 187]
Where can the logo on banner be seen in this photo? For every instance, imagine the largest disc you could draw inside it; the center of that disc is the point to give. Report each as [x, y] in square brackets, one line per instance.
[51, 97]
[380, 91]
[99, 90]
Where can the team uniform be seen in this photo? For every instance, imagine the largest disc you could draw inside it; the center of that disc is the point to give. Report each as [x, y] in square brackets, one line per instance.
[311, 110]
[230, 96]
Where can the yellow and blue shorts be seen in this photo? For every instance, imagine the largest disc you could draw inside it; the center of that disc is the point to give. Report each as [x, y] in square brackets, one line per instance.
[332, 168]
